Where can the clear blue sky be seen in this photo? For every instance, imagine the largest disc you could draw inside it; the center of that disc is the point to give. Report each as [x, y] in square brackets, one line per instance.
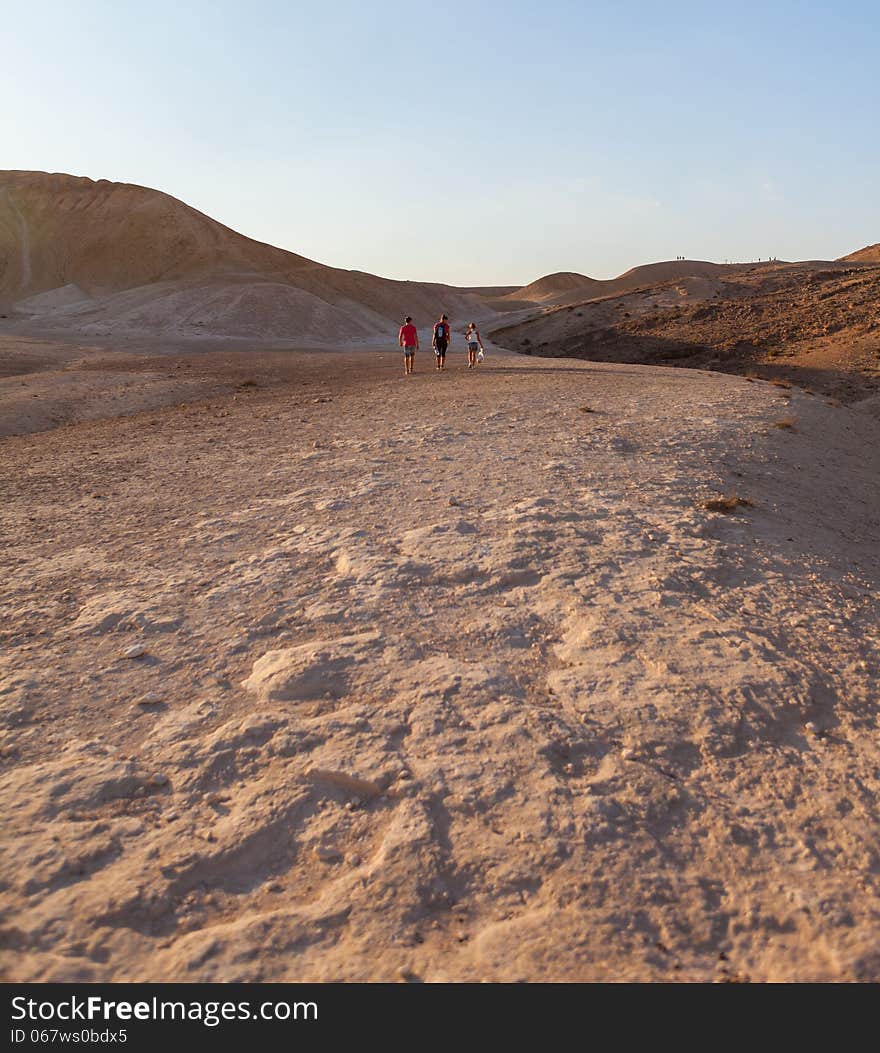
[469, 142]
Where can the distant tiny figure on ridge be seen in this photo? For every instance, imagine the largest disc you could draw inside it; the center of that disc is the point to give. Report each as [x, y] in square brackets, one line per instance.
[474, 344]
[441, 340]
[408, 338]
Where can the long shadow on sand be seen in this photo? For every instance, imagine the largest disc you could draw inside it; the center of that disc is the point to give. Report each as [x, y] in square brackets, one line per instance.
[745, 359]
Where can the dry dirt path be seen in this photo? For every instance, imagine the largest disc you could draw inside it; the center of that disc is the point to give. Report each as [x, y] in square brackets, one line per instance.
[445, 678]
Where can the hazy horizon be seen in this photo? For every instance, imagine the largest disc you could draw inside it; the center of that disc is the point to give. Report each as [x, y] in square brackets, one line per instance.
[499, 145]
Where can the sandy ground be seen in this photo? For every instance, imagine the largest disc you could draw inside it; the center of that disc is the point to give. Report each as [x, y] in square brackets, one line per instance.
[315, 672]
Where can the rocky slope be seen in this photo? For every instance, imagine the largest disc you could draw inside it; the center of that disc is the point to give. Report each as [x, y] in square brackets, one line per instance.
[821, 323]
[869, 254]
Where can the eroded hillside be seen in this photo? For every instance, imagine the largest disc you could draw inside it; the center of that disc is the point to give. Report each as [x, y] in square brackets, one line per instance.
[822, 324]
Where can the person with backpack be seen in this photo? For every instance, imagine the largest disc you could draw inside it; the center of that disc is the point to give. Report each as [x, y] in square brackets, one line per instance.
[441, 340]
[474, 344]
[408, 338]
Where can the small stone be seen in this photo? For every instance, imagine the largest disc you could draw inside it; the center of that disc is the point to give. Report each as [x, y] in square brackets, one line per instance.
[327, 854]
[811, 727]
[158, 779]
[135, 651]
[454, 502]
[354, 860]
[346, 782]
[149, 699]
[628, 753]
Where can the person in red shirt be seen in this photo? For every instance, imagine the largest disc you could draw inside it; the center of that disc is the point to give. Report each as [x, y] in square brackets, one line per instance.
[408, 338]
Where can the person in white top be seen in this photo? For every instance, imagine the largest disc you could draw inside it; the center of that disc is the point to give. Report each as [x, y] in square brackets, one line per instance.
[474, 344]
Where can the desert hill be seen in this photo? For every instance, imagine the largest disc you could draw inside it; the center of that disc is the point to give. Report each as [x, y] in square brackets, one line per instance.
[823, 318]
[869, 254]
[665, 270]
[553, 288]
[568, 287]
[105, 257]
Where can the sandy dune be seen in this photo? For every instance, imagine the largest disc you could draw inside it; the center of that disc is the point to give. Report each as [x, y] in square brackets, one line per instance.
[343, 676]
[554, 288]
[111, 260]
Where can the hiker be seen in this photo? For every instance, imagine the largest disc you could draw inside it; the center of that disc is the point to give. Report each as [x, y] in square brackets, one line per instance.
[408, 338]
[441, 340]
[474, 344]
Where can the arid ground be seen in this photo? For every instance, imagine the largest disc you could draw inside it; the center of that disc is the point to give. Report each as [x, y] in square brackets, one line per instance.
[558, 669]
[311, 671]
